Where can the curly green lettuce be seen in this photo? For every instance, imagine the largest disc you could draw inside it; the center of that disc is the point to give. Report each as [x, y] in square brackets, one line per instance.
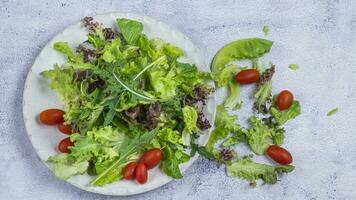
[66, 167]
[283, 116]
[225, 124]
[260, 135]
[251, 171]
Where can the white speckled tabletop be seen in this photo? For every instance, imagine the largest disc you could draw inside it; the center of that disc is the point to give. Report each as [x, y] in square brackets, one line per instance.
[319, 35]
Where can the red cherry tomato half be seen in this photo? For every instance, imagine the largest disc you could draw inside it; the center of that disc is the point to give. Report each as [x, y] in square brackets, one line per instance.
[64, 144]
[279, 154]
[247, 76]
[152, 157]
[51, 116]
[66, 129]
[141, 173]
[129, 171]
[285, 100]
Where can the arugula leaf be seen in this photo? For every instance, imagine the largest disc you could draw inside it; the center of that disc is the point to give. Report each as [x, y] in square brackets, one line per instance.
[130, 29]
[283, 116]
[251, 171]
[112, 111]
[241, 49]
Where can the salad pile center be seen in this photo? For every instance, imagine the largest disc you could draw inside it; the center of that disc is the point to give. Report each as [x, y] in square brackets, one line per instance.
[125, 94]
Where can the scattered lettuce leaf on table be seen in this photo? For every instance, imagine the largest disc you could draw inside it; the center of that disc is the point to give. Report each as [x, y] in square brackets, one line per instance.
[283, 116]
[251, 171]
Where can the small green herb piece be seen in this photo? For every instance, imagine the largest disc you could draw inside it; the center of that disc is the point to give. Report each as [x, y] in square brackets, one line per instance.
[266, 30]
[293, 67]
[333, 111]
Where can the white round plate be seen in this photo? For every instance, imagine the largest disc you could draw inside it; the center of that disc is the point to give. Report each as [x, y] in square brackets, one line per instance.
[38, 96]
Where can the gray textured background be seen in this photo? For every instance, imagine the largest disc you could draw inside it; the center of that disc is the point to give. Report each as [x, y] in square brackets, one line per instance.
[318, 35]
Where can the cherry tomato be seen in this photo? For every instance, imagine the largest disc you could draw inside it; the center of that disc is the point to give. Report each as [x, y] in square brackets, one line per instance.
[66, 129]
[285, 100]
[279, 154]
[141, 173]
[129, 171]
[152, 157]
[64, 144]
[247, 76]
[51, 116]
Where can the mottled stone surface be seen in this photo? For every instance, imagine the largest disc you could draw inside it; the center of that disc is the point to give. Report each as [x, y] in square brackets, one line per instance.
[319, 35]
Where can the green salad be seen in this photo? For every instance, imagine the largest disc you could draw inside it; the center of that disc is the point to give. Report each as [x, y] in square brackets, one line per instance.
[131, 105]
[123, 94]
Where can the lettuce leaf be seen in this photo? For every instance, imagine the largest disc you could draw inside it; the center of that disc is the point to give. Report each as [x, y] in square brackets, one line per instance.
[62, 81]
[171, 136]
[225, 120]
[218, 133]
[263, 94]
[234, 93]
[66, 167]
[251, 171]
[172, 51]
[225, 124]
[74, 60]
[225, 76]
[171, 160]
[259, 136]
[190, 118]
[283, 116]
[238, 136]
[241, 49]
[112, 51]
[163, 83]
[130, 29]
